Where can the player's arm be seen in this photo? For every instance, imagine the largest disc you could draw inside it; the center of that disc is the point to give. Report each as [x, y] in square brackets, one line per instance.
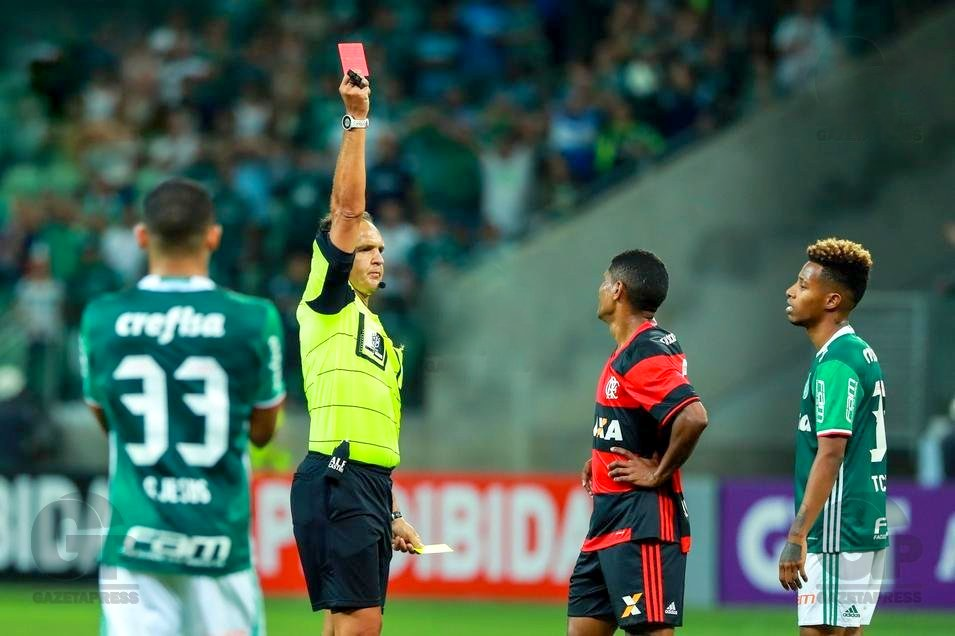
[659, 385]
[262, 424]
[348, 187]
[834, 392]
[92, 400]
[822, 476]
[270, 396]
[647, 473]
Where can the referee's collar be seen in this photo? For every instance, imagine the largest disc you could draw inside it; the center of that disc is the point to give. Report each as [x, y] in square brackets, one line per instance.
[154, 282]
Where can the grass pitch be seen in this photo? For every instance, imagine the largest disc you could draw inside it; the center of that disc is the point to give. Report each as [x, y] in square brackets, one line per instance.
[29, 610]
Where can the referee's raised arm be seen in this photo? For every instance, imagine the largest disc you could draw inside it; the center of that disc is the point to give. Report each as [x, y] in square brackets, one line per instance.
[348, 189]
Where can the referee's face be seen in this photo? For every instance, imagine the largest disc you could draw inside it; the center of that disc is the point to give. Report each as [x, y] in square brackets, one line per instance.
[369, 267]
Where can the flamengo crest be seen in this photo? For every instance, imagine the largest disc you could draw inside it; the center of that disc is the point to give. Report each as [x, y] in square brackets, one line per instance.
[610, 389]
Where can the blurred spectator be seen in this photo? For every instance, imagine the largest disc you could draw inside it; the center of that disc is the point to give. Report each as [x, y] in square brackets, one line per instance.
[39, 306]
[399, 234]
[507, 170]
[625, 141]
[120, 250]
[178, 146]
[678, 102]
[805, 46]
[388, 178]
[92, 278]
[574, 129]
[437, 54]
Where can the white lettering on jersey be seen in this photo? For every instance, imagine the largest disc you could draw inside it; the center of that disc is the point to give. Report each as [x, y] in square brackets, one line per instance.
[851, 399]
[182, 321]
[869, 355]
[668, 339]
[804, 424]
[177, 490]
[174, 547]
[607, 432]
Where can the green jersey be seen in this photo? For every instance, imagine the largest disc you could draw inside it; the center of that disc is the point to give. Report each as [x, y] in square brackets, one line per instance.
[351, 368]
[844, 396]
[177, 365]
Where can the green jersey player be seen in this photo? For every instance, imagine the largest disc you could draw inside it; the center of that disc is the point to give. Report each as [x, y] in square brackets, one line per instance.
[181, 374]
[835, 553]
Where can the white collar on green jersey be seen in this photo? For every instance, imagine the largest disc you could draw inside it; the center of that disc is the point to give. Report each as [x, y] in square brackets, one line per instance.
[842, 332]
[157, 283]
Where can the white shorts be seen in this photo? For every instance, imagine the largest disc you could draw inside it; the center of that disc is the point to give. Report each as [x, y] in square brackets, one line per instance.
[140, 603]
[843, 588]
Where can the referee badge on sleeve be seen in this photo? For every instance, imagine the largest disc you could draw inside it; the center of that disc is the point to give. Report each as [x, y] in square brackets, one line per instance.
[371, 343]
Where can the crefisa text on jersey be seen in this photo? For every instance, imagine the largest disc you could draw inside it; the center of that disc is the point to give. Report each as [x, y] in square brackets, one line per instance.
[182, 320]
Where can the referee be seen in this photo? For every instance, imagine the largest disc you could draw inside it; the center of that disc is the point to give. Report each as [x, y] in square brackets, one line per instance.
[343, 513]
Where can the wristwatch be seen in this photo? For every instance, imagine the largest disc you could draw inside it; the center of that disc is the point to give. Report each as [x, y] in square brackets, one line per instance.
[349, 122]
[395, 515]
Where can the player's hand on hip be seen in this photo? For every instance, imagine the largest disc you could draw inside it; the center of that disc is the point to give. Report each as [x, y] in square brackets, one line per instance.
[585, 477]
[404, 538]
[357, 99]
[792, 564]
[633, 469]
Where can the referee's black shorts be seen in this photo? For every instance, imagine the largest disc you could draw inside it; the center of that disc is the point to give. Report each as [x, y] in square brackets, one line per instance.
[343, 532]
[630, 584]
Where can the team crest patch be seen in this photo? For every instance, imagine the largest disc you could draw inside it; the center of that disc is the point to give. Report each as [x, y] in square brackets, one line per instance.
[610, 389]
[371, 343]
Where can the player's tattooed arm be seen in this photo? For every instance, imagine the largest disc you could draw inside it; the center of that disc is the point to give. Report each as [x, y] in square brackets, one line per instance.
[792, 565]
[822, 476]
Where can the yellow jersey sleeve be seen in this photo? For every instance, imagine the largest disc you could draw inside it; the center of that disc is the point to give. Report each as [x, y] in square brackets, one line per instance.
[327, 290]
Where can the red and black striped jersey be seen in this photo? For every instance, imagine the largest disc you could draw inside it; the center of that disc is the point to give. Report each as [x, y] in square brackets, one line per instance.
[642, 388]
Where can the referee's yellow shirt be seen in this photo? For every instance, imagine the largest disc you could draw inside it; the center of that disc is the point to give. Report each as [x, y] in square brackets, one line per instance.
[351, 369]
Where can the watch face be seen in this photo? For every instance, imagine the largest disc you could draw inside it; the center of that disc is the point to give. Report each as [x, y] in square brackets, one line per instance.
[346, 121]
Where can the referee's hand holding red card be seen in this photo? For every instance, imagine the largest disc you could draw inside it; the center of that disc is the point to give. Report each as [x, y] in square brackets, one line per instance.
[357, 98]
[633, 469]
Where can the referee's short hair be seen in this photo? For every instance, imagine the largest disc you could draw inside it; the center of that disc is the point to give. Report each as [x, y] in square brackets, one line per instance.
[177, 214]
[644, 277]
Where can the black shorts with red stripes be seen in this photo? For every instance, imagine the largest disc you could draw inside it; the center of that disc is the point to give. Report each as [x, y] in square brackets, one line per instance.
[632, 584]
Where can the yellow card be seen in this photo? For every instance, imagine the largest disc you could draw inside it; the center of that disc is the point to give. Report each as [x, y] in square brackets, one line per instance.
[434, 548]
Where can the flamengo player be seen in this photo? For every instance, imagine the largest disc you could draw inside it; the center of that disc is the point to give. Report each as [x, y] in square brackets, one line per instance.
[632, 565]
[837, 542]
[181, 374]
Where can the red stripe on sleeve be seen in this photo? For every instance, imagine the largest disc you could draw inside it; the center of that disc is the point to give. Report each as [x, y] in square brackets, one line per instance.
[679, 407]
[845, 434]
[650, 380]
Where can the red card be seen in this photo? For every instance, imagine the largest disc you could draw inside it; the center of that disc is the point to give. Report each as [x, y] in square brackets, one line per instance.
[352, 55]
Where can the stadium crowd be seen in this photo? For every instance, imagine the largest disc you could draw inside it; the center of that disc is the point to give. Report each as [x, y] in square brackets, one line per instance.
[491, 119]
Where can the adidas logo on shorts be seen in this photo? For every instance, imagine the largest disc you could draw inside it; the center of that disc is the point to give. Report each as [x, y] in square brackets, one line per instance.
[671, 609]
[852, 612]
